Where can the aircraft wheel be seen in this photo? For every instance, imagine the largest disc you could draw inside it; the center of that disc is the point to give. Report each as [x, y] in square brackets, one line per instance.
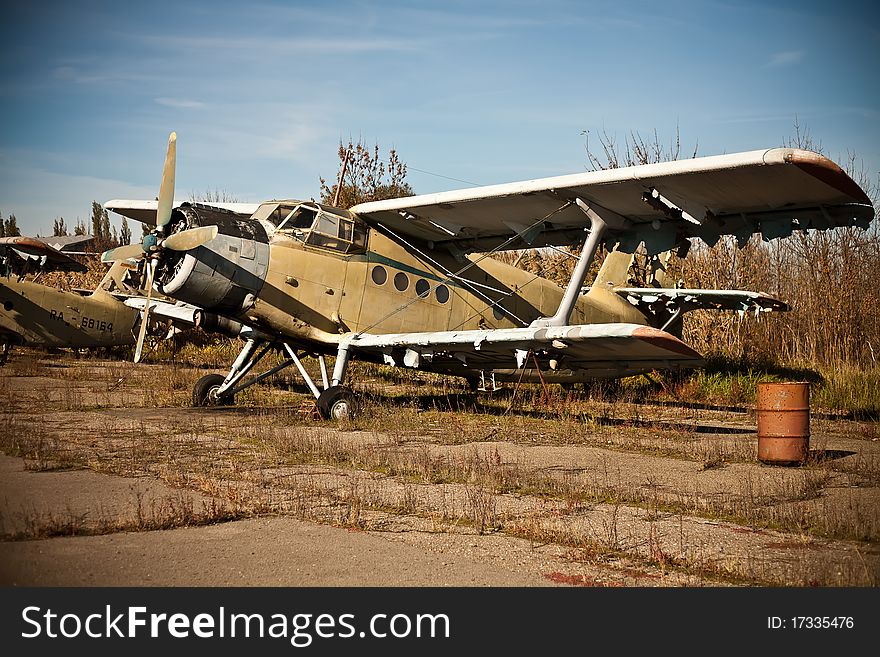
[337, 403]
[205, 392]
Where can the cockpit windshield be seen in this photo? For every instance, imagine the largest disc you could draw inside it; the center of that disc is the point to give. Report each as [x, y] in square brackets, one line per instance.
[290, 218]
[318, 227]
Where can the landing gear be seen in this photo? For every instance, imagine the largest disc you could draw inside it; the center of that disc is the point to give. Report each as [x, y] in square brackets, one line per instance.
[483, 383]
[205, 392]
[337, 403]
[334, 400]
[487, 384]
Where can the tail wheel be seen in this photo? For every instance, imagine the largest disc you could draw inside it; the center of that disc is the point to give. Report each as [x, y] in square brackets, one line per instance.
[337, 403]
[205, 392]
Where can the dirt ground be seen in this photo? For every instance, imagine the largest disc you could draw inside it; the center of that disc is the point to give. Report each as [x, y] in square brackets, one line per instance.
[110, 478]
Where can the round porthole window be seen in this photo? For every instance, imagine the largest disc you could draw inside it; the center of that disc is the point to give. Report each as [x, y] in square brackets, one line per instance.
[442, 293]
[379, 275]
[401, 281]
[497, 313]
[422, 287]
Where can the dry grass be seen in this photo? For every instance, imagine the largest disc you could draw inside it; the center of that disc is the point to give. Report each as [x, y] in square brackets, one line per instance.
[167, 513]
[415, 456]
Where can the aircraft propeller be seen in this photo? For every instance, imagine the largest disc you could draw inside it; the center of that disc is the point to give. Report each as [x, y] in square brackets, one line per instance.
[154, 242]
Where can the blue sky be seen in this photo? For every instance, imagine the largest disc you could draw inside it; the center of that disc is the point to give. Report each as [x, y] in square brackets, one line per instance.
[261, 92]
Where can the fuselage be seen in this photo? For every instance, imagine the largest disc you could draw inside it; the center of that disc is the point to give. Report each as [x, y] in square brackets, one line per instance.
[35, 314]
[391, 289]
[313, 274]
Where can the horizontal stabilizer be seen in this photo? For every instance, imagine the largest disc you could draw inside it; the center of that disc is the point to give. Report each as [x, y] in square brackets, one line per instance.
[672, 299]
[50, 258]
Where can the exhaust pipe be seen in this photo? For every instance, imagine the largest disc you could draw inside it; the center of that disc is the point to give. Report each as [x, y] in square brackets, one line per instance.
[214, 323]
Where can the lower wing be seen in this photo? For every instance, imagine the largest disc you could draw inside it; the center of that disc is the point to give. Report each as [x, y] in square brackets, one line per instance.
[559, 353]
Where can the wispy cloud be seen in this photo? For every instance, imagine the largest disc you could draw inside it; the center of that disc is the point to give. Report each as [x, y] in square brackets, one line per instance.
[180, 103]
[37, 196]
[785, 58]
[274, 46]
[759, 117]
[92, 73]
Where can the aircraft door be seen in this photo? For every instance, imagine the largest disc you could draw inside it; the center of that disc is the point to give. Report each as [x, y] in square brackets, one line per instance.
[352, 297]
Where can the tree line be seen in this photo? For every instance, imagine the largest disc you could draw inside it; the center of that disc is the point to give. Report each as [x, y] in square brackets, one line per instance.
[9, 226]
[105, 234]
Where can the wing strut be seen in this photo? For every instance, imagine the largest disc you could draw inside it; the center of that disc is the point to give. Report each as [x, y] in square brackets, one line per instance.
[579, 275]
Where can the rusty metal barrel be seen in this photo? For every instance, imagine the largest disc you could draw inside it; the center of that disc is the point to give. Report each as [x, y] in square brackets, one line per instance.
[783, 423]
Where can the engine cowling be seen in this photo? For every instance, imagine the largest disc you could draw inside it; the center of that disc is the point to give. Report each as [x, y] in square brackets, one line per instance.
[224, 275]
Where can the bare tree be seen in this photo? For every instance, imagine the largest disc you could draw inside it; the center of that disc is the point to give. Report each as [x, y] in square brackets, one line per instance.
[213, 196]
[637, 150]
[366, 177]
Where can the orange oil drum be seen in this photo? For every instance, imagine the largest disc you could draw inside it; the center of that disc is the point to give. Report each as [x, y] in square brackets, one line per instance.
[783, 423]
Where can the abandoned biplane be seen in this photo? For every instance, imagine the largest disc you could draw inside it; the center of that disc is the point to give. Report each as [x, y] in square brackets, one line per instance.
[34, 314]
[409, 281]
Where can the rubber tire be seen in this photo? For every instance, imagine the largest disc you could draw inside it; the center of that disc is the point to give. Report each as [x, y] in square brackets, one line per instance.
[337, 403]
[203, 388]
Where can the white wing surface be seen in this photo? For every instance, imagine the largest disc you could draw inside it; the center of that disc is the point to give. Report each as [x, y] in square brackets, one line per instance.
[770, 191]
[591, 350]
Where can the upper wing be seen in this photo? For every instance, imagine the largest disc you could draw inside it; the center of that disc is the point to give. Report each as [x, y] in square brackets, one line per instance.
[145, 211]
[49, 257]
[769, 191]
[593, 349]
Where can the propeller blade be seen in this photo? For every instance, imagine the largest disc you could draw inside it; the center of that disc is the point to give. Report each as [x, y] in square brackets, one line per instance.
[190, 238]
[124, 252]
[151, 269]
[166, 189]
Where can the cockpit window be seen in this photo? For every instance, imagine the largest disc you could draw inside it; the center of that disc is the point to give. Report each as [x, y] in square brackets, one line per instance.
[293, 218]
[341, 234]
[310, 224]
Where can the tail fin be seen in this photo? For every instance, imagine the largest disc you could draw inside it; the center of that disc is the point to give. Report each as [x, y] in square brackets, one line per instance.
[614, 271]
[659, 276]
[115, 278]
